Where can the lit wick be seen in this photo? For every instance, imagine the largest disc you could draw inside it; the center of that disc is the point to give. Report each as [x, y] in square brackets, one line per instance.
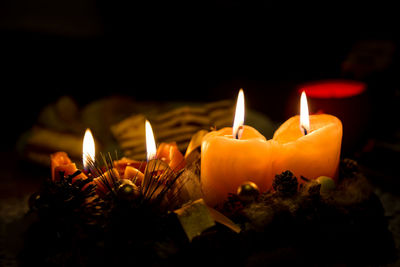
[238, 122]
[304, 116]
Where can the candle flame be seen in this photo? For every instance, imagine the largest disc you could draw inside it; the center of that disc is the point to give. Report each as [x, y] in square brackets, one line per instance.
[239, 116]
[88, 149]
[150, 142]
[304, 115]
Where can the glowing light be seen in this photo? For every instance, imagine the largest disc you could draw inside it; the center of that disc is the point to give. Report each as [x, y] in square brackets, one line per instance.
[239, 116]
[333, 89]
[150, 142]
[304, 115]
[88, 149]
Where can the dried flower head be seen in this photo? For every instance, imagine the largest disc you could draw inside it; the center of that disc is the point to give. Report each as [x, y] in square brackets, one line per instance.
[285, 183]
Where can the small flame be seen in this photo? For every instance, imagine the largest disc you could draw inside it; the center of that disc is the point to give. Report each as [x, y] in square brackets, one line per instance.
[239, 116]
[304, 115]
[88, 149]
[150, 142]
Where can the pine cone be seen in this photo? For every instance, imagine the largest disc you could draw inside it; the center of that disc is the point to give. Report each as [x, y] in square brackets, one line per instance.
[285, 183]
[348, 168]
[64, 200]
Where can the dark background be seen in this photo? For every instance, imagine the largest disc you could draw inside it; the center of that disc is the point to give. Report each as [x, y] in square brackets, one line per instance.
[191, 51]
[197, 51]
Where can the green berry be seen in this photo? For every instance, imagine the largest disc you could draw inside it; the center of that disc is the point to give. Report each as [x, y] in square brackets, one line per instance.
[128, 190]
[327, 184]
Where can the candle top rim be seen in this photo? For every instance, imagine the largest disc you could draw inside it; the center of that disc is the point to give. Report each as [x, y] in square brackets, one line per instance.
[249, 133]
[333, 88]
[317, 123]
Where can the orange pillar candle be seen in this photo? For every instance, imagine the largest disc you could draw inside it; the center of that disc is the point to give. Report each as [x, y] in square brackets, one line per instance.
[166, 152]
[61, 163]
[308, 147]
[311, 151]
[232, 156]
[133, 174]
[130, 169]
[170, 154]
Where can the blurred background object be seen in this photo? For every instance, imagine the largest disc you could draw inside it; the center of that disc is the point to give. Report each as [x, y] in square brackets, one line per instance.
[186, 51]
[346, 99]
